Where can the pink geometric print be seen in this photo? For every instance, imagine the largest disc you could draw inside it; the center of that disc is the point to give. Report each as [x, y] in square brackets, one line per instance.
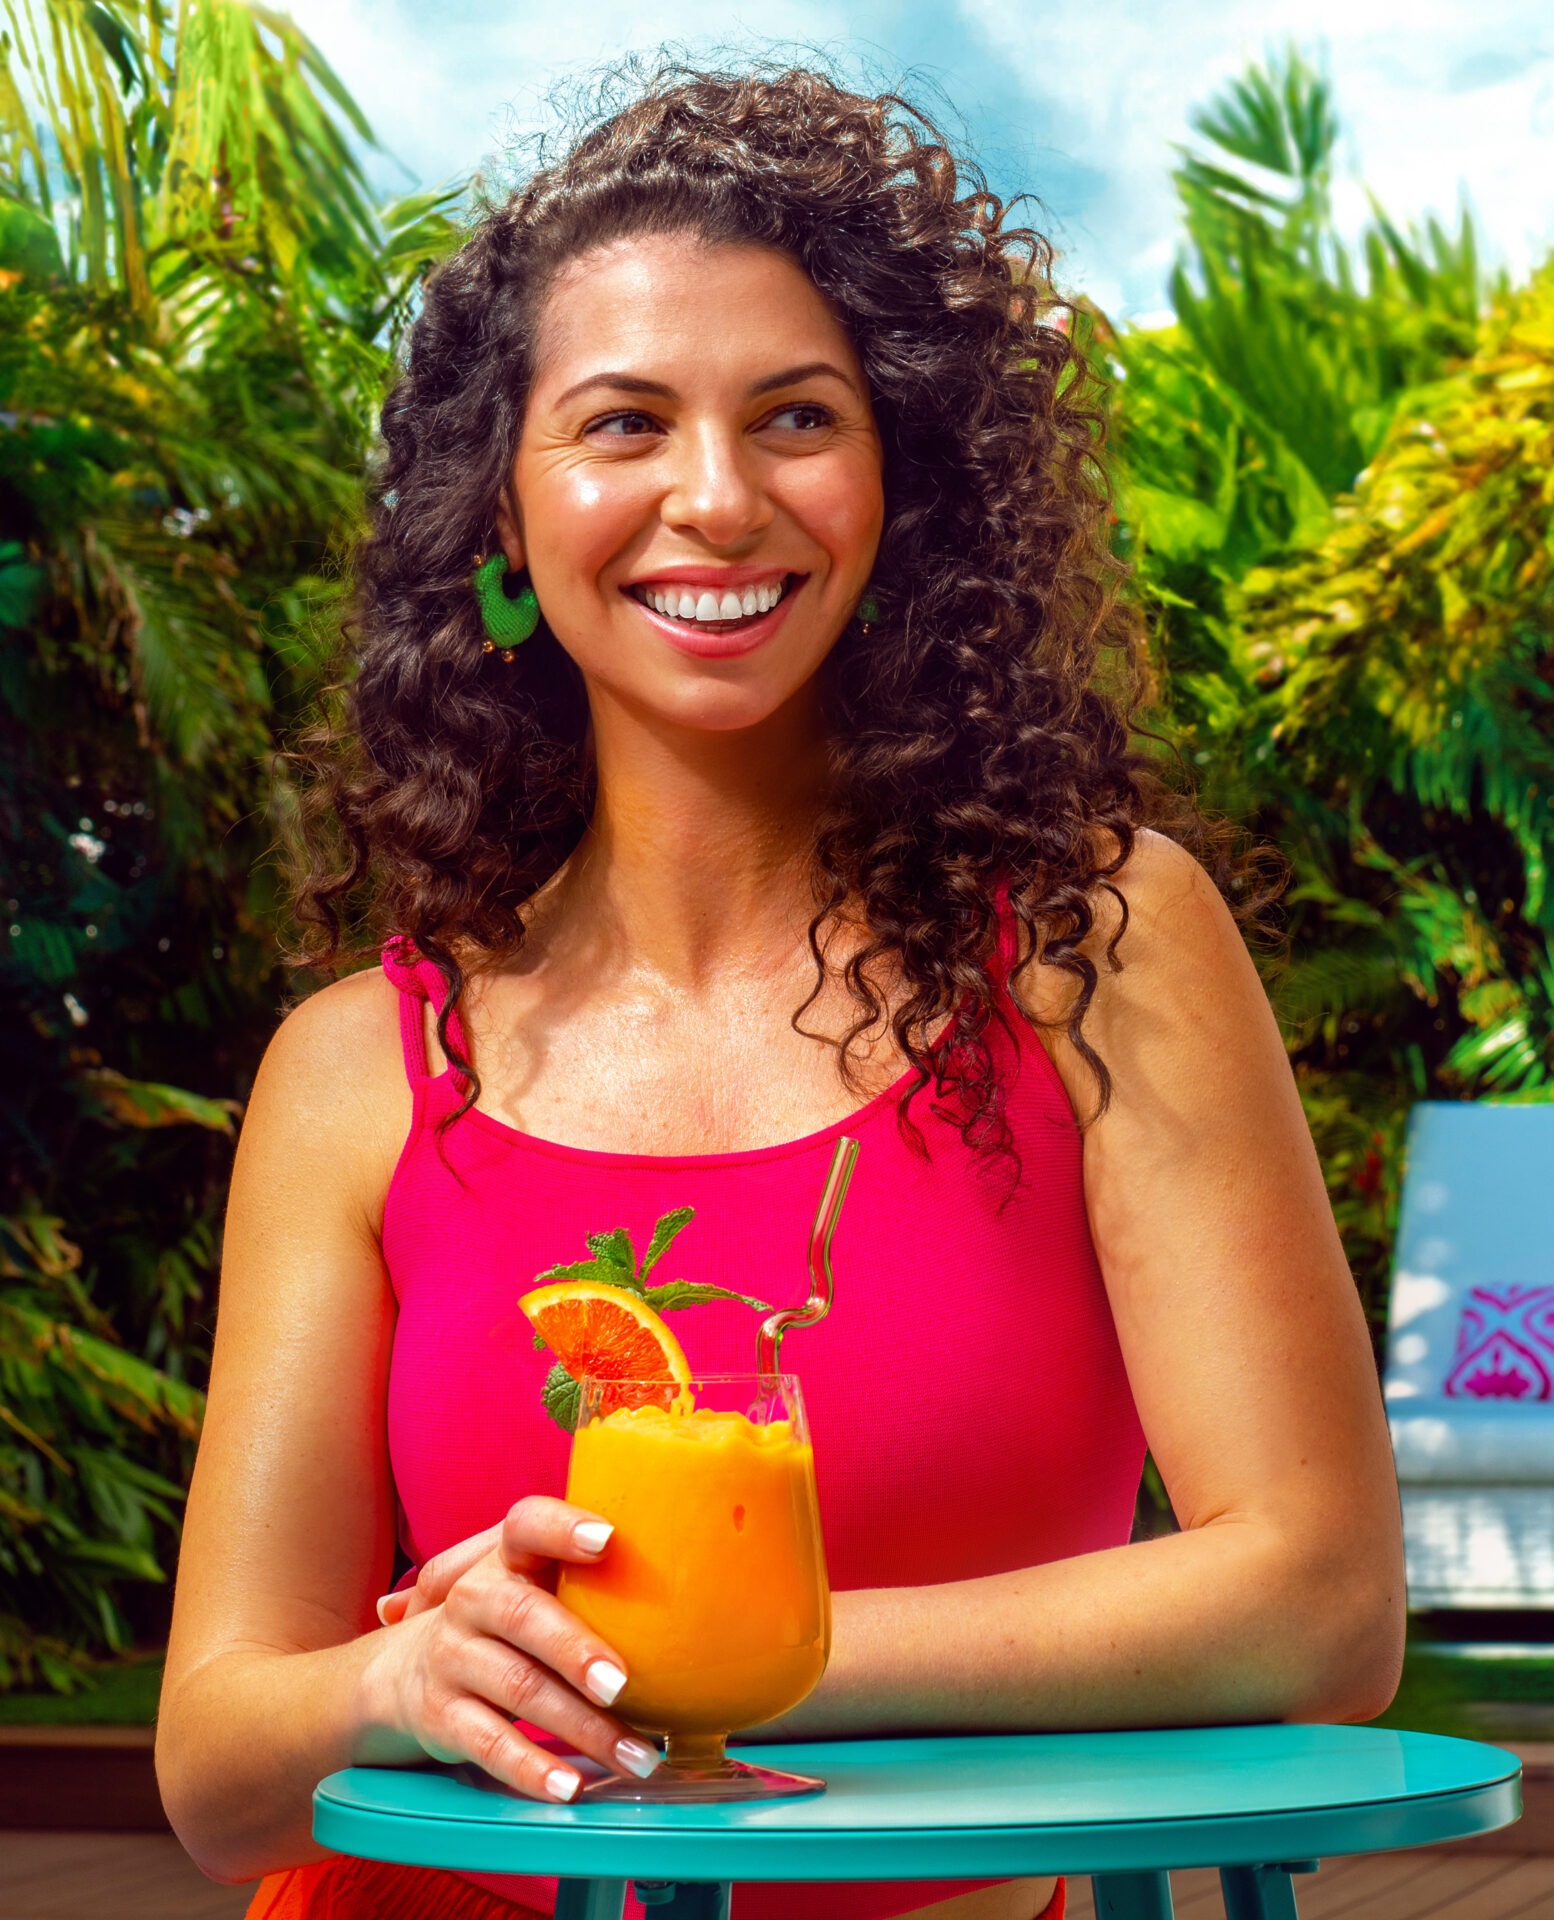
[1505, 1346]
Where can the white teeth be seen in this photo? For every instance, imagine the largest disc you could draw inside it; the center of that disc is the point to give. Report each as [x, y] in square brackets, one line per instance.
[683, 604]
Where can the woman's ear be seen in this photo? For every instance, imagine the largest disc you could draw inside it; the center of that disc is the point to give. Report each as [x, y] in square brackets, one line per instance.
[510, 531]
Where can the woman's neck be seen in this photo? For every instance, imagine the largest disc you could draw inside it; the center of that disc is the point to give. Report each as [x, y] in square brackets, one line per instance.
[698, 855]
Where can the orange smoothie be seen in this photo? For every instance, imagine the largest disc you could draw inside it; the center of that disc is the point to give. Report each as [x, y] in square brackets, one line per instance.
[713, 1588]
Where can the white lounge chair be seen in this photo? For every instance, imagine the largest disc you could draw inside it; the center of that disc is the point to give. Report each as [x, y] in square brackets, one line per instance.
[1470, 1356]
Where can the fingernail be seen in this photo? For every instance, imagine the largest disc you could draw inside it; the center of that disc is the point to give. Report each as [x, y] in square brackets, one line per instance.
[381, 1608]
[638, 1758]
[593, 1536]
[562, 1785]
[604, 1682]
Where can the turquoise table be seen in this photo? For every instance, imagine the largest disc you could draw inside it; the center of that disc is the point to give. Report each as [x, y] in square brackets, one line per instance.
[1259, 1803]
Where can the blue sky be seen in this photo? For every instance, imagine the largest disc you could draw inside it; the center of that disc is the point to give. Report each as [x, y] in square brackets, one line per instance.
[1080, 103]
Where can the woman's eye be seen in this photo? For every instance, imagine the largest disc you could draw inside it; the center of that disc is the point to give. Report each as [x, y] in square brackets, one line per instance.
[623, 425]
[804, 416]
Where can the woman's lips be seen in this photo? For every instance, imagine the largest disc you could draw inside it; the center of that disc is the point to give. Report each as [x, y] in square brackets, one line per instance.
[721, 640]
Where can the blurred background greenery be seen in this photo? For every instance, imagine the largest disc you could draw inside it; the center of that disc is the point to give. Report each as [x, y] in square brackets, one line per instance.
[1334, 473]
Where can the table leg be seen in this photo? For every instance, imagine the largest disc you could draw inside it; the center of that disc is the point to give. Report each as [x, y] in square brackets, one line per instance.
[1132, 1896]
[1261, 1893]
[590, 1899]
[685, 1899]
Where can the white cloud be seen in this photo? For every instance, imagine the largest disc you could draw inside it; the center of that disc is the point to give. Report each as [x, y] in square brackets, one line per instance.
[1435, 98]
[445, 86]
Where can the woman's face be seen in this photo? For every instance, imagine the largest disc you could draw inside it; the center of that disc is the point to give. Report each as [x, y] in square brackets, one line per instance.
[697, 492]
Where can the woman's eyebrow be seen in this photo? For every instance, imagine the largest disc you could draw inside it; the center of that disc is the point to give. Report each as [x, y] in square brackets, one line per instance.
[793, 375]
[634, 383]
[618, 383]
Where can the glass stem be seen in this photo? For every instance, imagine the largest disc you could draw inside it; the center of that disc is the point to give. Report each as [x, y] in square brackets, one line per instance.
[695, 1752]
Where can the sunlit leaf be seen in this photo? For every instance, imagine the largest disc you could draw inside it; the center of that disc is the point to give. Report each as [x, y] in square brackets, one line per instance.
[145, 1103]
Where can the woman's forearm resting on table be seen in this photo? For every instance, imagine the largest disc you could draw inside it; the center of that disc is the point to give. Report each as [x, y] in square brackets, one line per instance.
[450, 1678]
[1222, 1623]
[245, 1738]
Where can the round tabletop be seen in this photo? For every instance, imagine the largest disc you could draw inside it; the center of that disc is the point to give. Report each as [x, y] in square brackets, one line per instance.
[971, 1807]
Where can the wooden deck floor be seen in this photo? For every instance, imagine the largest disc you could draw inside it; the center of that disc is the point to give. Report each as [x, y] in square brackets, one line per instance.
[1385, 1886]
[108, 1876]
[103, 1876]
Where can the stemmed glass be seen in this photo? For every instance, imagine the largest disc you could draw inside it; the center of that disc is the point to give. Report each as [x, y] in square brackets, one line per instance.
[713, 1588]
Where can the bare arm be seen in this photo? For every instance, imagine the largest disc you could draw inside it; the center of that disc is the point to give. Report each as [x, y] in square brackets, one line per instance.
[277, 1671]
[1282, 1598]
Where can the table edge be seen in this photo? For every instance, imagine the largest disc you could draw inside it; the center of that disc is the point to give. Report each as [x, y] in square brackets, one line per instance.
[938, 1853]
[1512, 1773]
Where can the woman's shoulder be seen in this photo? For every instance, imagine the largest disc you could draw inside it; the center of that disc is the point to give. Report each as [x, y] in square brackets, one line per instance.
[1168, 896]
[1159, 910]
[356, 1017]
[1169, 961]
[334, 1076]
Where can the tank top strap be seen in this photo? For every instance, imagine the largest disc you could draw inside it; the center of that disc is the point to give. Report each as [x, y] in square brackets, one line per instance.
[1008, 948]
[419, 982]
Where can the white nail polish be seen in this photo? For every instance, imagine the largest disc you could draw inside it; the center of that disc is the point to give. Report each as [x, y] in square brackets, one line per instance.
[562, 1785]
[638, 1758]
[604, 1682]
[593, 1536]
[379, 1606]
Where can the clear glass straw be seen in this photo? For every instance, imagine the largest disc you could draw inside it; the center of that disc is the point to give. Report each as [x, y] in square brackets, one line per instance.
[769, 1346]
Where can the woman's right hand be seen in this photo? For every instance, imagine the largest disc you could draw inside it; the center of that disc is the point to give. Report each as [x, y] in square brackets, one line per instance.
[481, 1639]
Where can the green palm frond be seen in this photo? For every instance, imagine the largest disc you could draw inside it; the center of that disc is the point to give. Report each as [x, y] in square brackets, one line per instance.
[78, 1511]
[259, 156]
[199, 307]
[89, 66]
[1279, 118]
[1331, 981]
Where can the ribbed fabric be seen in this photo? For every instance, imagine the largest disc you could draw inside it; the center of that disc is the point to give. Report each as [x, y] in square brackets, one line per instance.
[969, 1406]
[345, 1889]
[342, 1889]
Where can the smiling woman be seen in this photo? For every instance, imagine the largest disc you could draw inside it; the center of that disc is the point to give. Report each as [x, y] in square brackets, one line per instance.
[571, 344]
[802, 810]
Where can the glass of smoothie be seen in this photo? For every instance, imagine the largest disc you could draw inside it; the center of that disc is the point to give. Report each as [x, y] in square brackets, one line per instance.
[713, 1588]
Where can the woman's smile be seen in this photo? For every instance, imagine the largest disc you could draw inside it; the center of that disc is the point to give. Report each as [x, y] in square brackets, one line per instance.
[717, 613]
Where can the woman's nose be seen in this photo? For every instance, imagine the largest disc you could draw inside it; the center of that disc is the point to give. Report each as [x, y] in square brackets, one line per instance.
[714, 490]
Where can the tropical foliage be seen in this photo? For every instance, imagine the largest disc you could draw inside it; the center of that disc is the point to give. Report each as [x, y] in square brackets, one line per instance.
[198, 304]
[78, 1500]
[1336, 477]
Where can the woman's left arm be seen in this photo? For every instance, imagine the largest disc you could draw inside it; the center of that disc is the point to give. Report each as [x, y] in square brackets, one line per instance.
[1282, 1597]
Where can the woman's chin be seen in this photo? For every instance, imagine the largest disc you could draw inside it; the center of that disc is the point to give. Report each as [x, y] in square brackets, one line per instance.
[709, 698]
[723, 710]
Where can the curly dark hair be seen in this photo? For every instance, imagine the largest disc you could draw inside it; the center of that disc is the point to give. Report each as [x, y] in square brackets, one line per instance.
[974, 755]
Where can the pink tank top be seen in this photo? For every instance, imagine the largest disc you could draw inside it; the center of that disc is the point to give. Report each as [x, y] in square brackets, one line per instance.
[970, 1410]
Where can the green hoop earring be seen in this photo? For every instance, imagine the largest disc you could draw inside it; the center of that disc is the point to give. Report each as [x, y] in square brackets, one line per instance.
[868, 611]
[508, 622]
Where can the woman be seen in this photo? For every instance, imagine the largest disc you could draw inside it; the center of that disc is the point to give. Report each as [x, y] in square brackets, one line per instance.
[801, 811]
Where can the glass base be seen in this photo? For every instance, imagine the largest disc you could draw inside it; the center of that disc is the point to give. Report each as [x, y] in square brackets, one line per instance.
[691, 1783]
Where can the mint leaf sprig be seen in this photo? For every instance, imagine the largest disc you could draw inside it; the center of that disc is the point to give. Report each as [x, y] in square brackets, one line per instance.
[613, 1260]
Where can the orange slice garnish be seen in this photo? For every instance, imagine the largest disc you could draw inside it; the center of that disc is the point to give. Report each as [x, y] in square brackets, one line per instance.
[612, 1334]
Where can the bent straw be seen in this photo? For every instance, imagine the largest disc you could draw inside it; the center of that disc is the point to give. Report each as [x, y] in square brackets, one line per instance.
[769, 1346]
